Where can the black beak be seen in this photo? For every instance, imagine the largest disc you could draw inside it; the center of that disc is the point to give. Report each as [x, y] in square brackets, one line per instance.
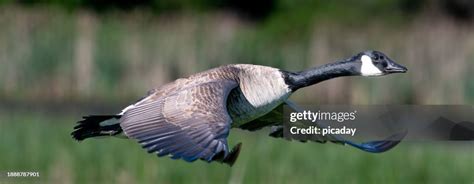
[395, 68]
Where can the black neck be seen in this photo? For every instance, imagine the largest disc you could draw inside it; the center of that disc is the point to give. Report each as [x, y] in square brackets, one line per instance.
[312, 76]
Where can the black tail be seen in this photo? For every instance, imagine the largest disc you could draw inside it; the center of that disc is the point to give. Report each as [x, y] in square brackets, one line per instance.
[90, 126]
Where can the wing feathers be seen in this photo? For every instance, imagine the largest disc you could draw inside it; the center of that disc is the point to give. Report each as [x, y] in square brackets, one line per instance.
[189, 124]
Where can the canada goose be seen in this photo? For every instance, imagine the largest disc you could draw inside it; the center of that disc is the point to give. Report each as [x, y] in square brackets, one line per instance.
[190, 118]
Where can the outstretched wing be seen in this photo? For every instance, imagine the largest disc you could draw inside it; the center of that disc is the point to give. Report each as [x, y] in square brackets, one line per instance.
[188, 124]
[275, 119]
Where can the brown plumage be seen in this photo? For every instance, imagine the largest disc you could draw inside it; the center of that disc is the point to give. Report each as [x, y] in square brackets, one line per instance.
[188, 118]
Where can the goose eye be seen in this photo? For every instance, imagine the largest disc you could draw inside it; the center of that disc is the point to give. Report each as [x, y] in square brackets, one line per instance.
[376, 59]
[376, 56]
[381, 57]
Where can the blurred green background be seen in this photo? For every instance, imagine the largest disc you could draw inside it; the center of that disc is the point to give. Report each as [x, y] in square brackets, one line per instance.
[61, 59]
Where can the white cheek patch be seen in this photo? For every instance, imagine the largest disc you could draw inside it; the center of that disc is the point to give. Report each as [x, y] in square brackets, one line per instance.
[368, 68]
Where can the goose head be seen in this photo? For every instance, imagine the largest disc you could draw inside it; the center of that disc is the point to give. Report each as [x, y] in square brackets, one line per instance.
[375, 63]
[367, 64]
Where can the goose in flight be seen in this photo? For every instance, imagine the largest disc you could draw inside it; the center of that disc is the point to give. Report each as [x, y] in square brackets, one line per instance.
[190, 118]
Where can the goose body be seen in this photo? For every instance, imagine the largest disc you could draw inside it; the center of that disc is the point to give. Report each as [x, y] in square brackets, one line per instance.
[190, 118]
[261, 89]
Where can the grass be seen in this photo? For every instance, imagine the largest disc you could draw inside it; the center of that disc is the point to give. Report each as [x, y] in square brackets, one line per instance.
[41, 142]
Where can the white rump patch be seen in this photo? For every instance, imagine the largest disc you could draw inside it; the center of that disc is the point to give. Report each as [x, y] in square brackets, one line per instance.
[133, 105]
[368, 68]
[126, 109]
